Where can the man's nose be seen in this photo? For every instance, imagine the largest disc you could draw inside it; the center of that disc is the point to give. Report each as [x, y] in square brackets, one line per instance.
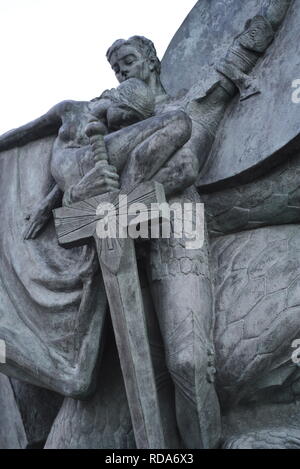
[124, 72]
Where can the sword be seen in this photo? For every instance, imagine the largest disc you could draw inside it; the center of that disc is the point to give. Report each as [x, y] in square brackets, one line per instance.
[77, 225]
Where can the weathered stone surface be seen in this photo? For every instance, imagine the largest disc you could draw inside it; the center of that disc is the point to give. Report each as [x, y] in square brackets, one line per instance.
[38, 408]
[268, 427]
[255, 329]
[268, 200]
[12, 432]
[212, 25]
[103, 421]
[42, 286]
[202, 40]
[241, 144]
[230, 305]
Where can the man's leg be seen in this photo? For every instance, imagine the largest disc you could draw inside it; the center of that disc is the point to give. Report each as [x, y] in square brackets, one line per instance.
[182, 294]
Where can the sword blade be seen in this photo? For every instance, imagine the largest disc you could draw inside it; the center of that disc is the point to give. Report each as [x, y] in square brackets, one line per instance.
[127, 312]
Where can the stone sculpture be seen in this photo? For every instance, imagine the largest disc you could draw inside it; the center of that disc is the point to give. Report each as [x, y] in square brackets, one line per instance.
[228, 309]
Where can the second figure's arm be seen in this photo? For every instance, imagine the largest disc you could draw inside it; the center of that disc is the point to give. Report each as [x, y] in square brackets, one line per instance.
[43, 126]
[42, 213]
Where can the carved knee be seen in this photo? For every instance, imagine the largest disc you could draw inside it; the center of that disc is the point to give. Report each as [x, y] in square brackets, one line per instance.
[189, 367]
[182, 369]
[185, 166]
[182, 365]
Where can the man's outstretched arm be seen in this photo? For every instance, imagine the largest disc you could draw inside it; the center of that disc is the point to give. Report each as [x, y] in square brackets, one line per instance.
[43, 126]
[235, 69]
[275, 11]
[251, 44]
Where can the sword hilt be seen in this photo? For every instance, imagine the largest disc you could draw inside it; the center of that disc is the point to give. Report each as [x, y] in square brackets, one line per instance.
[96, 130]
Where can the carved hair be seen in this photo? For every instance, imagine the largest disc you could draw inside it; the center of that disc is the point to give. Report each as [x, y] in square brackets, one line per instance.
[144, 46]
[135, 94]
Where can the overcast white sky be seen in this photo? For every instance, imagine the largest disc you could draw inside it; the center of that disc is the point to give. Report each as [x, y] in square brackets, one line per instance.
[55, 49]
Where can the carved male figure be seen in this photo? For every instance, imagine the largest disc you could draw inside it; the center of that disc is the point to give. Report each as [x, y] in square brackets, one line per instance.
[181, 133]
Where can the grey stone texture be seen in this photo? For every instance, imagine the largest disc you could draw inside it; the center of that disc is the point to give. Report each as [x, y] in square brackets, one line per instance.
[12, 431]
[103, 421]
[221, 319]
[195, 51]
